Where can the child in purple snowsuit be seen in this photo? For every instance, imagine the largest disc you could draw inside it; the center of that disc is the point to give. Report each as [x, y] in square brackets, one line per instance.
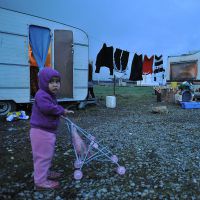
[44, 122]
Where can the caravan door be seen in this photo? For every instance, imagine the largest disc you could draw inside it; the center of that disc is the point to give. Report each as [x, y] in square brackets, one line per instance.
[63, 61]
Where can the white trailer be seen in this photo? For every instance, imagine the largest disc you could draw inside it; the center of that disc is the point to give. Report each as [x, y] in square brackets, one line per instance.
[68, 52]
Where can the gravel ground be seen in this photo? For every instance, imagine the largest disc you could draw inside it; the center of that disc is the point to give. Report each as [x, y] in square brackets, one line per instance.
[161, 153]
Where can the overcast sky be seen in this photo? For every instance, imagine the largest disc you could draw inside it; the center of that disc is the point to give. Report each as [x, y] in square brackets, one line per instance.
[168, 27]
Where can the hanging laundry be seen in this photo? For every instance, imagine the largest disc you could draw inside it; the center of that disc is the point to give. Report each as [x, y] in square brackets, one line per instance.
[158, 60]
[136, 68]
[105, 58]
[158, 64]
[158, 68]
[147, 67]
[124, 60]
[117, 57]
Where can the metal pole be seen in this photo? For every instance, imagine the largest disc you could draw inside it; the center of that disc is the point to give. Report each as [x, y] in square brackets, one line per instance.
[114, 85]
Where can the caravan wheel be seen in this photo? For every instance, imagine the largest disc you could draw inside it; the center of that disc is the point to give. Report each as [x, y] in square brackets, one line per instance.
[6, 107]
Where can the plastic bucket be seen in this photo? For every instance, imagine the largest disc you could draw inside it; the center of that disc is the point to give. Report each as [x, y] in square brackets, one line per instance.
[186, 96]
[110, 101]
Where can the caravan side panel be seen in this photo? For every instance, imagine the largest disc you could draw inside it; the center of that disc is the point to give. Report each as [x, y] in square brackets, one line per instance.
[14, 70]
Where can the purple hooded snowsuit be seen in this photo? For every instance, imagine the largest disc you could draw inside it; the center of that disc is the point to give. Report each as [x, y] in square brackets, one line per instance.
[46, 111]
[44, 123]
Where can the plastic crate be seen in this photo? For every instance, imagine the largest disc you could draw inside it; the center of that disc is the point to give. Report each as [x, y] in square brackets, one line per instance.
[190, 105]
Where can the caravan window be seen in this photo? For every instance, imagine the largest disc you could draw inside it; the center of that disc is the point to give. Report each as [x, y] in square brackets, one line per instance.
[183, 71]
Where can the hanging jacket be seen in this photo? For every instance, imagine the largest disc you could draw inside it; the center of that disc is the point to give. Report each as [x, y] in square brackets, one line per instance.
[105, 58]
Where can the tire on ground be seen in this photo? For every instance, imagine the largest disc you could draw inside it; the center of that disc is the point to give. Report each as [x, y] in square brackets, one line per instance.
[6, 107]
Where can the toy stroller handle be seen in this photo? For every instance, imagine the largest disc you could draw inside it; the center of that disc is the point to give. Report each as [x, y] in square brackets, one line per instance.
[65, 118]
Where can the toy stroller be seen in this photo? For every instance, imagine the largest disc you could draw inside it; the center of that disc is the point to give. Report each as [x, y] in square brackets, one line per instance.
[87, 148]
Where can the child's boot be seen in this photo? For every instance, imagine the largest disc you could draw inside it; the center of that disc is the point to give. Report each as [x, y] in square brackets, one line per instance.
[47, 185]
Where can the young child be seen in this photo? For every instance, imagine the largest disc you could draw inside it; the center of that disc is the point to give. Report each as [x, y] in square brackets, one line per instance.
[44, 122]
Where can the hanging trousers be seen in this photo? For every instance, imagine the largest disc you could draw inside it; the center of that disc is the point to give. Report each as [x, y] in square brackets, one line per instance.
[117, 56]
[136, 68]
[124, 60]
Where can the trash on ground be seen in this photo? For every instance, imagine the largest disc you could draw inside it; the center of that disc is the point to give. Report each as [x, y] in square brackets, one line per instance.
[16, 115]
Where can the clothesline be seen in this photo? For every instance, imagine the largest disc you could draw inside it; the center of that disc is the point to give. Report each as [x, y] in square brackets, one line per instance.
[102, 42]
[125, 49]
[118, 59]
[141, 63]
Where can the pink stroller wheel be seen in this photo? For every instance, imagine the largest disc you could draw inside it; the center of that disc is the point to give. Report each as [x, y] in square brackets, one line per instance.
[114, 158]
[78, 164]
[121, 170]
[78, 174]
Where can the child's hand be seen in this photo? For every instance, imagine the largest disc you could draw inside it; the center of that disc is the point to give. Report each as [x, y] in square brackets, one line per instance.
[68, 112]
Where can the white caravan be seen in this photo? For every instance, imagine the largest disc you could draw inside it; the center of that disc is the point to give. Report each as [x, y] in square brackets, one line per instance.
[27, 42]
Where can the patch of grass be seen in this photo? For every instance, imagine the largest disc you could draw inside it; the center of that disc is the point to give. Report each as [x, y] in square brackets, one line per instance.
[125, 95]
[124, 91]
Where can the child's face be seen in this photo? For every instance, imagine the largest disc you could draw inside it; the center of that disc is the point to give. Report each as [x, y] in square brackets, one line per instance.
[54, 85]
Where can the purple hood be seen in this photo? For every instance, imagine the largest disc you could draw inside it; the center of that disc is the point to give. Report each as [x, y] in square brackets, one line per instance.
[45, 76]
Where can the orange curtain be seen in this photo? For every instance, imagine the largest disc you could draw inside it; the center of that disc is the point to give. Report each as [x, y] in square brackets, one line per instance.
[33, 62]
